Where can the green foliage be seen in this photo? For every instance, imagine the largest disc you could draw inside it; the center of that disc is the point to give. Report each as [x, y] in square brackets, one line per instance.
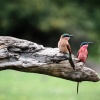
[21, 86]
[48, 14]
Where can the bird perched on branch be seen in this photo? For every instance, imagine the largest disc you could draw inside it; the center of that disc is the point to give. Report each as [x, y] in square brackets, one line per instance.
[64, 47]
[83, 52]
[82, 55]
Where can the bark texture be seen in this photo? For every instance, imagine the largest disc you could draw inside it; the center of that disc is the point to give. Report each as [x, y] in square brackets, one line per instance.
[26, 56]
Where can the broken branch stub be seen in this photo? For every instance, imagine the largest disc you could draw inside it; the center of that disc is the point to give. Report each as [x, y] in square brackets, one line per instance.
[26, 56]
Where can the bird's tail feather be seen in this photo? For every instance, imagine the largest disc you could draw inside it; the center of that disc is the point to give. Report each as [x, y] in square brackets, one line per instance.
[70, 59]
[77, 87]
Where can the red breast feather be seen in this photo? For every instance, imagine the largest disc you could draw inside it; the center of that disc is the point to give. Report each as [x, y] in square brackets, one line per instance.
[83, 54]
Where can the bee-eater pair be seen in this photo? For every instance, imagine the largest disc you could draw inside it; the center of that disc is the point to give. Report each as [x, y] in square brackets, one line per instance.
[64, 47]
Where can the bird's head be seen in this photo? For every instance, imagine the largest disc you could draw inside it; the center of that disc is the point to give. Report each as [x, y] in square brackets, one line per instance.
[85, 44]
[66, 36]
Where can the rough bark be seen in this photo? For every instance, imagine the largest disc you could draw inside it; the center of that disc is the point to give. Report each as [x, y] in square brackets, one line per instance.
[26, 56]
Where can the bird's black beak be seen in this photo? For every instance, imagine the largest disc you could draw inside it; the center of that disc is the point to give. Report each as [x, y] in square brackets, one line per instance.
[70, 35]
[90, 42]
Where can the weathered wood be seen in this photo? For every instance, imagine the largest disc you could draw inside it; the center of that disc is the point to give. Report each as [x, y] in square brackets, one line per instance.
[26, 56]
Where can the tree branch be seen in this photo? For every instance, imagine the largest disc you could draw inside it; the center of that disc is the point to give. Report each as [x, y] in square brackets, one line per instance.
[26, 56]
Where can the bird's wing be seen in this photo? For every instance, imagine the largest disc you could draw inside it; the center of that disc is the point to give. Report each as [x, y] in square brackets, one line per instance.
[69, 48]
[70, 58]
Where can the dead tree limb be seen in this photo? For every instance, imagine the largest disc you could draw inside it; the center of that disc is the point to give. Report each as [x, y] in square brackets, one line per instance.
[26, 56]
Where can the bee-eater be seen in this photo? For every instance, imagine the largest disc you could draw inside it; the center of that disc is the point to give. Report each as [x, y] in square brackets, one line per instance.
[83, 52]
[64, 47]
[82, 55]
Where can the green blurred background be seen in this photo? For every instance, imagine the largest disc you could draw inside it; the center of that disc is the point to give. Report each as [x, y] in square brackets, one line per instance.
[43, 21]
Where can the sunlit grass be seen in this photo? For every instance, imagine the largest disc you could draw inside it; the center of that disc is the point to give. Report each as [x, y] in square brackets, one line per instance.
[28, 86]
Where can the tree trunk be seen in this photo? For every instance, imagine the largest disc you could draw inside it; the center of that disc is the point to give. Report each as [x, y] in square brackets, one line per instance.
[26, 56]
